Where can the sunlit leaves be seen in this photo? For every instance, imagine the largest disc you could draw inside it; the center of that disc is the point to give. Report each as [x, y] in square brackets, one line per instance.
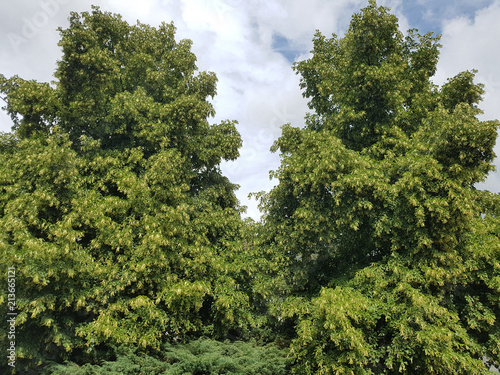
[376, 210]
[113, 208]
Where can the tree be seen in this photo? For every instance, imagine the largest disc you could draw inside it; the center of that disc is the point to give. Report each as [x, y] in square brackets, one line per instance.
[113, 209]
[391, 254]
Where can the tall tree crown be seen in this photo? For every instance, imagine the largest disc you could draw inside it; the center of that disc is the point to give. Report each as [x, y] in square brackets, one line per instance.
[363, 84]
[375, 213]
[113, 208]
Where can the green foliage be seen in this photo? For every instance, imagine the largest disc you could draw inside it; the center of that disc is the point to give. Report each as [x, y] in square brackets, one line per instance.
[376, 253]
[390, 255]
[198, 357]
[113, 209]
[362, 85]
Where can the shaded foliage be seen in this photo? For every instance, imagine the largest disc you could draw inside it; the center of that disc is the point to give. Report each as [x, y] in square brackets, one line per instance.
[198, 357]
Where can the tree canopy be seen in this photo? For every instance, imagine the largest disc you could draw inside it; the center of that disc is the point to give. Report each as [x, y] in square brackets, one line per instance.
[113, 209]
[391, 253]
[376, 253]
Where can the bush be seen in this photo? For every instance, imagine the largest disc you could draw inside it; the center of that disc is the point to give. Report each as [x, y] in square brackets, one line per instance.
[199, 357]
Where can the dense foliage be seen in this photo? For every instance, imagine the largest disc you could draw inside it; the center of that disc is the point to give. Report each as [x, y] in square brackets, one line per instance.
[376, 253]
[196, 357]
[113, 209]
[392, 255]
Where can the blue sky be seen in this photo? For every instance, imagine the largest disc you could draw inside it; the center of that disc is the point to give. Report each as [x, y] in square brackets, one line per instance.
[428, 15]
[251, 46]
[424, 15]
[285, 46]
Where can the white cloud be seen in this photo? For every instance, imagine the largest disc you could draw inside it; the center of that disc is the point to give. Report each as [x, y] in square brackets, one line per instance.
[137, 10]
[29, 37]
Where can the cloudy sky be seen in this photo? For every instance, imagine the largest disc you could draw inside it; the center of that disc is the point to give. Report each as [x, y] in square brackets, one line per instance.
[251, 46]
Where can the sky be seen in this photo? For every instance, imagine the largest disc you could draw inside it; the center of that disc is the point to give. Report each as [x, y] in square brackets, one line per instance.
[251, 46]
